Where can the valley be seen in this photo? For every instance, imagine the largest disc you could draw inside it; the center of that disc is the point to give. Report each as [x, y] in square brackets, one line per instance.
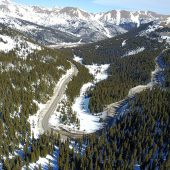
[111, 112]
[82, 90]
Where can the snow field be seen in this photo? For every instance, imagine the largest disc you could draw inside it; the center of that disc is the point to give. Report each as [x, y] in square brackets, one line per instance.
[6, 43]
[88, 122]
[23, 47]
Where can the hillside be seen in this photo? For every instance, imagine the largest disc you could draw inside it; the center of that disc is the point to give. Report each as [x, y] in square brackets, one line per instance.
[28, 75]
[82, 90]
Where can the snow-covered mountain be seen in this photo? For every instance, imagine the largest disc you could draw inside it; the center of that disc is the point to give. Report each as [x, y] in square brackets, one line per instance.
[69, 24]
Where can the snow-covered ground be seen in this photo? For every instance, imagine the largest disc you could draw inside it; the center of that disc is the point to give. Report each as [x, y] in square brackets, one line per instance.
[22, 47]
[151, 28]
[99, 72]
[167, 38]
[103, 28]
[135, 18]
[6, 43]
[168, 21]
[63, 108]
[88, 122]
[78, 59]
[66, 45]
[35, 120]
[133, 52]
[123, 43]
[51, 160]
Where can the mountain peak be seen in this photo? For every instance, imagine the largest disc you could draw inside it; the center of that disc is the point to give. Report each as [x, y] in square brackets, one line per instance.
[75, 21]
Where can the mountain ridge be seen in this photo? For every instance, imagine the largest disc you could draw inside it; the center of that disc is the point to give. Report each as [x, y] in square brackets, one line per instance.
[77, 23]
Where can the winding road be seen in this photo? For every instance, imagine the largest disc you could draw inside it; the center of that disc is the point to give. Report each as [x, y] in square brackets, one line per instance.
[117, 109]
[114, 111]
[46, 113]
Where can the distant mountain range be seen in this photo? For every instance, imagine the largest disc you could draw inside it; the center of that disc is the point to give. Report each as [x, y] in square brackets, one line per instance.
[57, 25]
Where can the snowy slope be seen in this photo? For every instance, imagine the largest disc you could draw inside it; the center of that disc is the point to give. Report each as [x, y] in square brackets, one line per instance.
[133, 52]
[88, 122]
[11, 41]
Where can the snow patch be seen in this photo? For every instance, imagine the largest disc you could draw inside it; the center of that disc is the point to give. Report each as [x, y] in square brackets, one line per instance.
[135, 19]
[22, 47]
[66, 45]
[133, 52]
[123, 43]
[6, 43]
[118, 17]
[151, 28]
[168, 21]
[78, 59]
[88, 122]
[34, 119]
[137, 167]
[167, 38]
[98, 71]
[97, 46]
[61, 68]
[51, 160]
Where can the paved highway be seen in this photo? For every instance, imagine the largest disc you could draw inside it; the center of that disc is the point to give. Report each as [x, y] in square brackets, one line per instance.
[46, 113]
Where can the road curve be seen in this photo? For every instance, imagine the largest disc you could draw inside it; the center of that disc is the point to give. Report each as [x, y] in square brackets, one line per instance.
[157, 78]
[52, 103]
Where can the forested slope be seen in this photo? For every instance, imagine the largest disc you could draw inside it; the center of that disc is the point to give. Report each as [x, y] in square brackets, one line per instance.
[132, 59]
[107, 51]
[125, 73]
[140, 138]
[24, 82]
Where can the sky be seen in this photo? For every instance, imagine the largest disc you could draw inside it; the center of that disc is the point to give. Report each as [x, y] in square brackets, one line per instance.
[160, 6]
